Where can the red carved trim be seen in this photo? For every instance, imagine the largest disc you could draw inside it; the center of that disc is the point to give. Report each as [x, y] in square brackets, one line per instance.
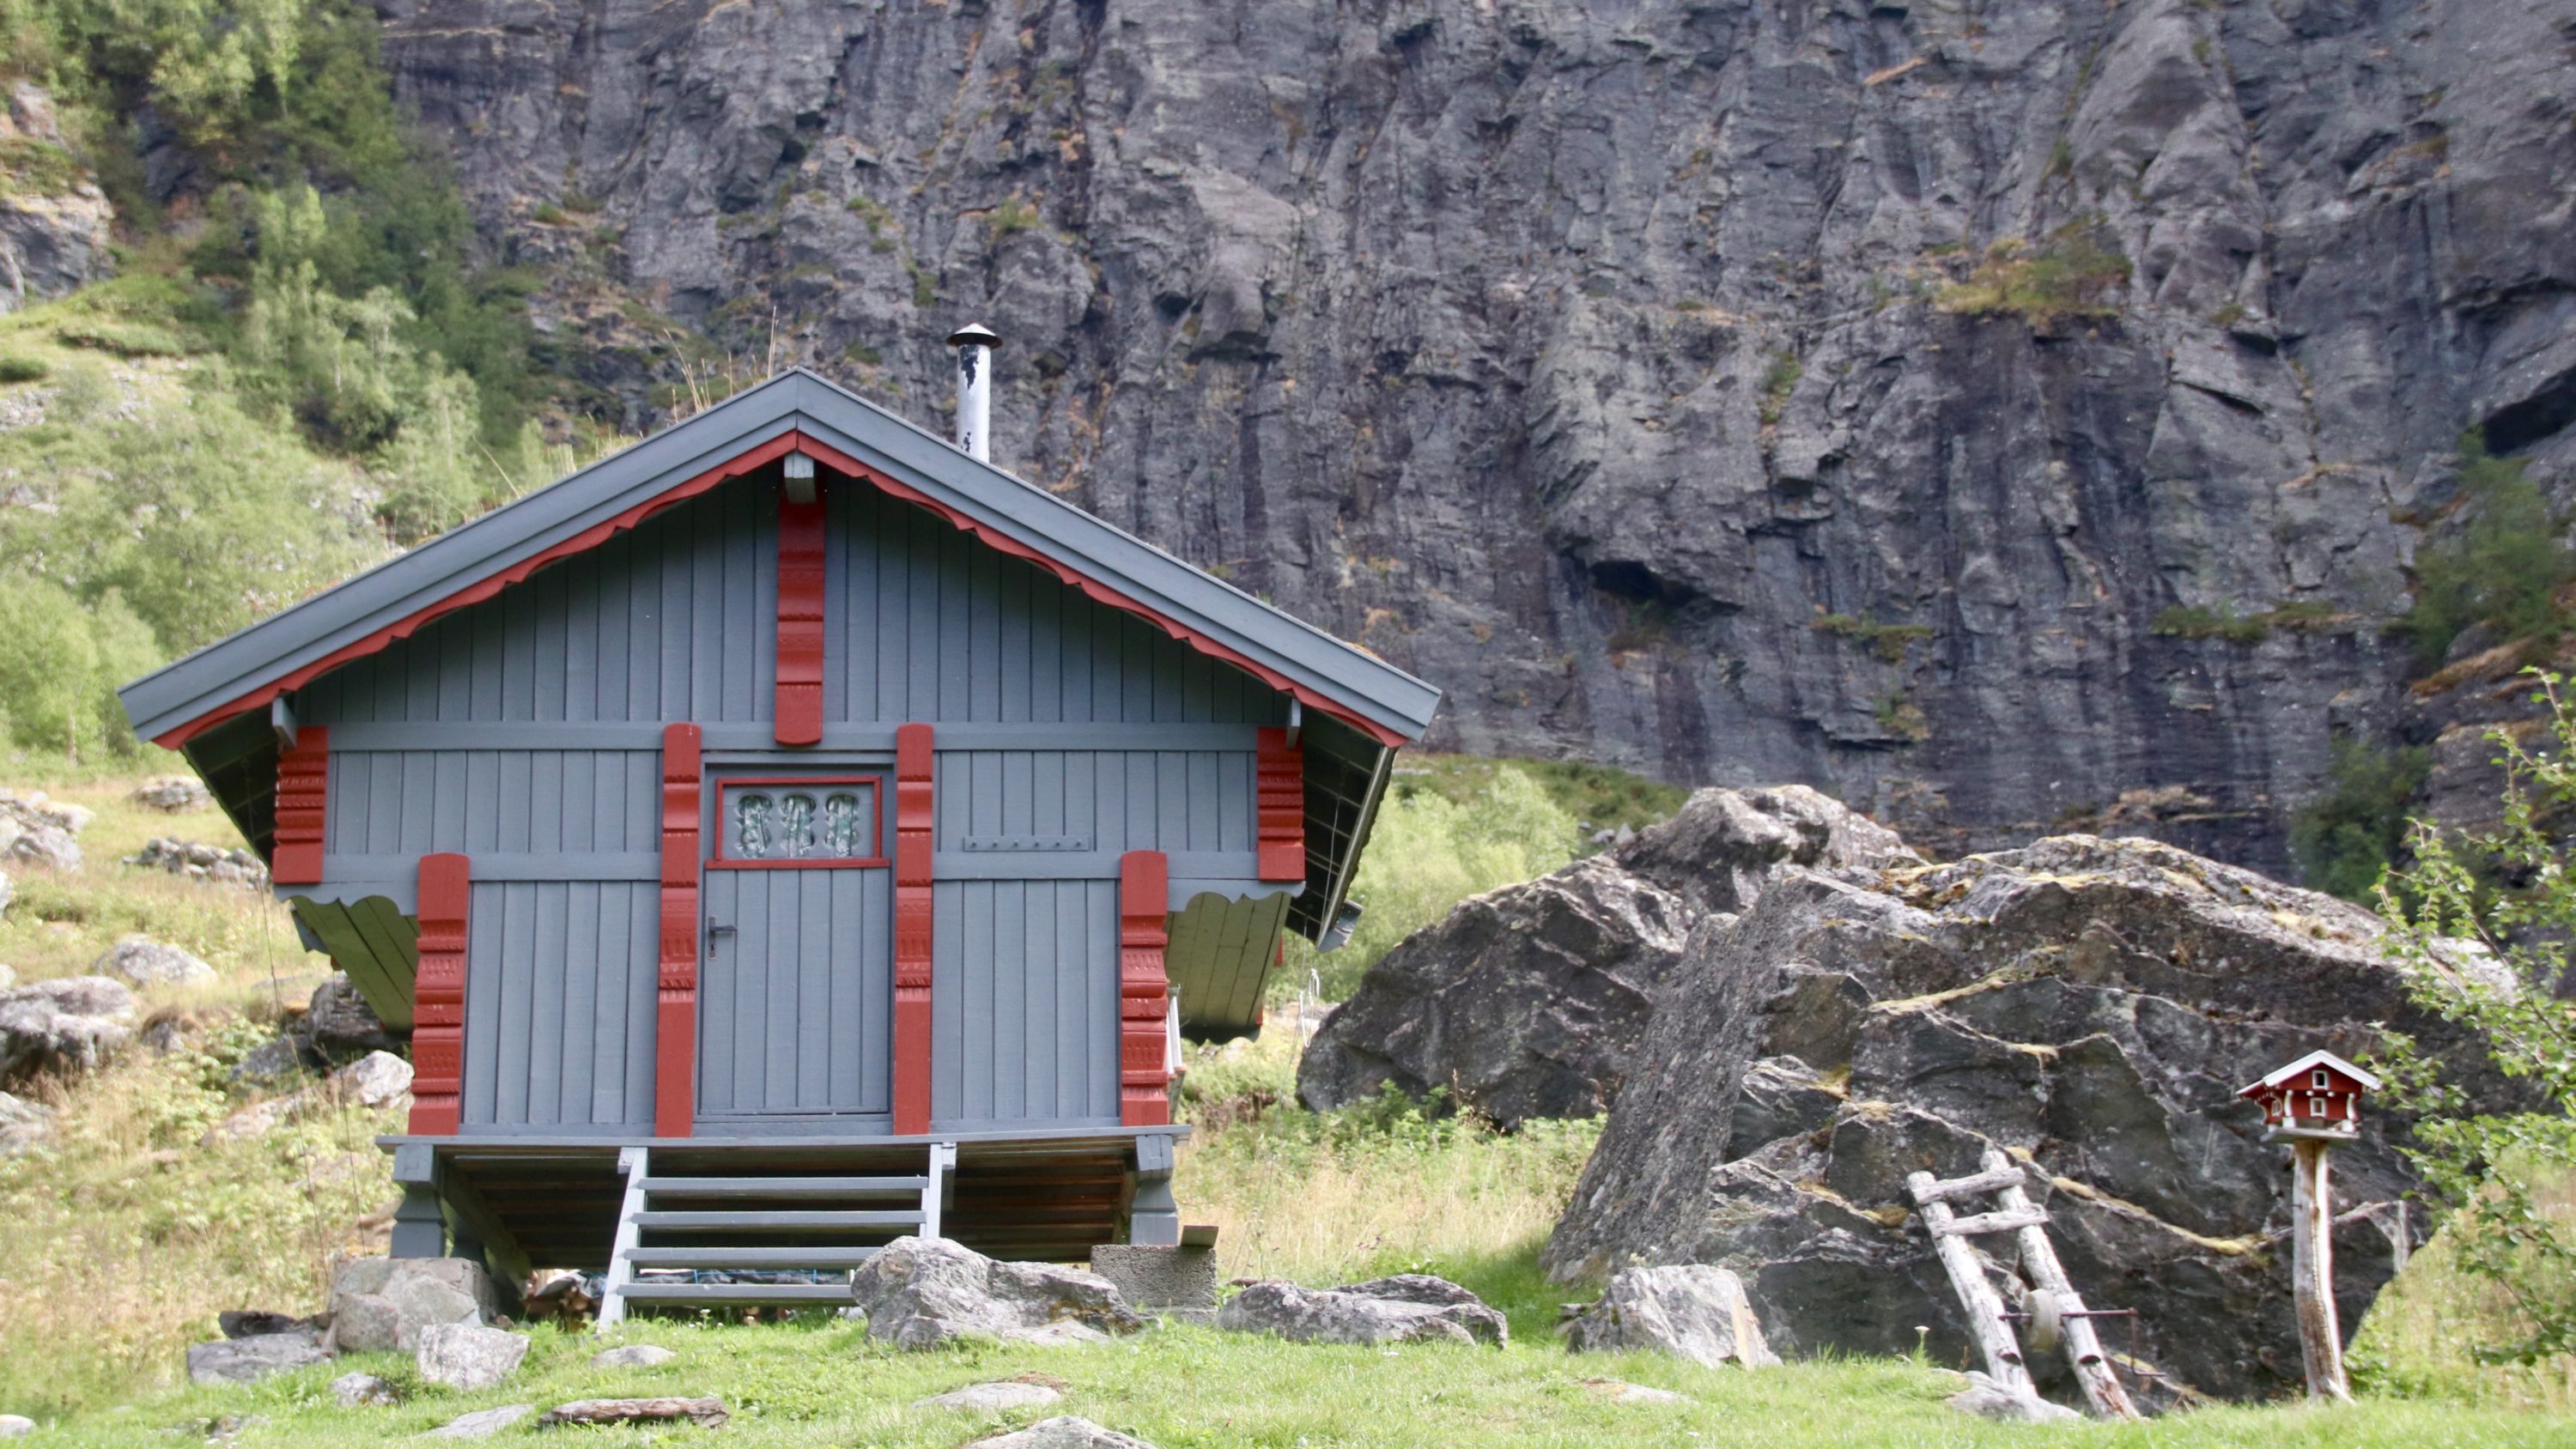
[675, 1041]
[303, 806]
[800, 621]
[475, 593]
[1280, 801]
[912, 917]
[438, 994]
[1144, 993]
[775, 448]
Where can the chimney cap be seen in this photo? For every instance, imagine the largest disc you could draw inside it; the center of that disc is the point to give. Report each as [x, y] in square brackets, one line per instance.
[975, 333]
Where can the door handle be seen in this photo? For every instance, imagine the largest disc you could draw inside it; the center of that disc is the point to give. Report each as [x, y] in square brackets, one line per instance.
[715, 929]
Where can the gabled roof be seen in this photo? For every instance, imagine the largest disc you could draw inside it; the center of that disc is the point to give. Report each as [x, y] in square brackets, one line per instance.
[795, 411]
[2306, 1063]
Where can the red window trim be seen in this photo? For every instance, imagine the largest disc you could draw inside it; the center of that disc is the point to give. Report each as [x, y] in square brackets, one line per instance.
[303, 808]
[914, 908]
[446, 894]
[799, 705]
[1144, 989]
[875, 858]
[675, 1015]
[775, 448]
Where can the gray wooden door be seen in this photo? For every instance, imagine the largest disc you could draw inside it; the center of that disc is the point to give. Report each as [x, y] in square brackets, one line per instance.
[796, 983]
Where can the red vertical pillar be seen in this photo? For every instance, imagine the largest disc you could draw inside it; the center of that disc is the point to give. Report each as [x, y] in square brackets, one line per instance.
[799, 711]
[675, 1041]
[1280, 806]
[438, 996]
[303, 803]
[913, 821]
[1144, 992]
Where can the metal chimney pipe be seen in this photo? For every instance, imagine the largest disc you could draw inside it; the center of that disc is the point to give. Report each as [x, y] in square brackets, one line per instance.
[975, 343]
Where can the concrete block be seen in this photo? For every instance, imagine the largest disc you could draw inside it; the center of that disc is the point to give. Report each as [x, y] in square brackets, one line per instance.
[1173, 1281]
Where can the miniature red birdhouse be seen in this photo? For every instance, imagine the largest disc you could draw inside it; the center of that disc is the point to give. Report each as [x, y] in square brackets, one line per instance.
[2320, 1092]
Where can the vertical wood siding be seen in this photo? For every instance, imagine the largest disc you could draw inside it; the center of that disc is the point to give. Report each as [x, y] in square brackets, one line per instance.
[677, 621]
[795, 1008]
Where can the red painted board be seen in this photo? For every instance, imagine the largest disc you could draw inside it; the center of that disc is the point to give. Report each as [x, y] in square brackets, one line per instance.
[675, 1015]
[799, 704]
[1280, 806]
[913, 823]
[303, 807]
[438, 994]
[1144, 991]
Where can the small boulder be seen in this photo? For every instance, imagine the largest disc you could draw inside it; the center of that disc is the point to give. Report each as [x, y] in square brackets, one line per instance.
[260, 1322]
[146, 962]
[256, 1120]
[923, 1292]
[469, 1356]
[482, 1423]
[339, 1026]
[378, 1079]
[248, 1360]
[273, 1060]
[381, 1304]
[16, 1426]
[362, 1390]
[632, 1356]
[47, 845]
[706, 1413]
[1407, 1308]
[1626, 1393]
[8, 977]
[23, 1124]
[172, 794]
[991, 1398]
[1690, 1311]
[75, 1023]
[1986, 1399]
[1063, 1432]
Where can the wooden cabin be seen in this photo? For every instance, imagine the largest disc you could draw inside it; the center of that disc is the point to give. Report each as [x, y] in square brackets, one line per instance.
[790, 832]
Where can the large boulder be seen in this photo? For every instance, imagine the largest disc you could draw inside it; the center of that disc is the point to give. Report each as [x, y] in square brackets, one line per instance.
[339, 1026]
[2089, 1006]
[1688, 1310]
[380, 1304]
[1524, 1002]
[1407, 1308]
[146, 962]
[923, 1292]
[248, 1360]
[1528, 1001]
[71, 1024]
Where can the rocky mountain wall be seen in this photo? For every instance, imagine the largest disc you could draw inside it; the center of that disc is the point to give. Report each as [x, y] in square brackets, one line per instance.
[1864, 394]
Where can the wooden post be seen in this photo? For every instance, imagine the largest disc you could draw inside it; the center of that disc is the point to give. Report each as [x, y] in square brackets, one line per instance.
[2312, 1270]
[2039, 1258]
[914, 909]
[1976, 1295]
[675, 1013]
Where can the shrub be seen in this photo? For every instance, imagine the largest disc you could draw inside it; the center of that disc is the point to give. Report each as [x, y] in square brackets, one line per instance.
[2480, 925]
[19, 367]
[60, 663]
[2066, 276]
[2196, 621]
[2346, 837]
[1887, 641]
[2503, 566]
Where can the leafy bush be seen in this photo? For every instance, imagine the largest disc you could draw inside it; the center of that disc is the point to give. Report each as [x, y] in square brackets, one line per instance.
[60, 663]
[1429, 852]
[2356, 829]
[2502, 567]
[125, 339]
[2481, 926]
[19, 367]
[2066, 276]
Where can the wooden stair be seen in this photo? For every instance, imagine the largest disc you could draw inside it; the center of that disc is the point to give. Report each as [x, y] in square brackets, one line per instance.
[798, 1236]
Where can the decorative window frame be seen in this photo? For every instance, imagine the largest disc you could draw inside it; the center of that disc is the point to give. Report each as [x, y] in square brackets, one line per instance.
[720, 787]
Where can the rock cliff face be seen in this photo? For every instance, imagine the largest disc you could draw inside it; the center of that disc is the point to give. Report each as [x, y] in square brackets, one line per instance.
[1837, 392]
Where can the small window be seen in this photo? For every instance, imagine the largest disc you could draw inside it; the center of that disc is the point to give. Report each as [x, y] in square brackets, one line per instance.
[798, 822]
[2317, 1079]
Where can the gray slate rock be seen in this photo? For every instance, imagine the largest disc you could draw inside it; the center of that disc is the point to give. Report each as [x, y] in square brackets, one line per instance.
[1407, 1308]
[248, 1360]
[146, 962]
[1528, 1001]
[632, 1356]
[1689, 1310]
[1063, 1432]
[2091, 1003]
[706, 1413]
[920, 1293]
[272, 1061]
[353, 1391]
[72, 1024]
[7, 893]
[383, 1304]
[469, 1356]
[23, 1124]
[482, 1423]
[339, 1026]
[378, 1079]
[172, 794]
[49, 846]
[991, 1398]
[1983, 1398]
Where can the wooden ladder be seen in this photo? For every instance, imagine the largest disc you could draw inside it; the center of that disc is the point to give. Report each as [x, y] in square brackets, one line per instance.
[2014, 1213]
[797, 1225]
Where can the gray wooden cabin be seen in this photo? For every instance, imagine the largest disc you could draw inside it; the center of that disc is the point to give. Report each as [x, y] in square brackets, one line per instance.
[789, 832]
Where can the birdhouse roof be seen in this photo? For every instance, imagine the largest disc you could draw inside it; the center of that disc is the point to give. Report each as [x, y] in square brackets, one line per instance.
[2305, 1064]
